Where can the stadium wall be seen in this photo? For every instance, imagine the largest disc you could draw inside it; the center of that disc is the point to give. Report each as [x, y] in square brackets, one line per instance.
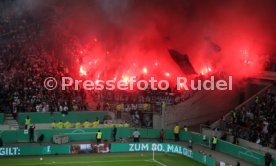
[124, 147]
[90, 134]
[204, 106]
[2, 118]
[37, 117]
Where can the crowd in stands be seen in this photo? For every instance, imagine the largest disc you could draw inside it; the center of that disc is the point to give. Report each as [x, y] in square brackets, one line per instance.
[255, 123]
[24, 64]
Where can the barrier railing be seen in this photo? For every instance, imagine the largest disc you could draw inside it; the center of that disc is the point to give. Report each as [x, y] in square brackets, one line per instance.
[89, 134]
[38, 117]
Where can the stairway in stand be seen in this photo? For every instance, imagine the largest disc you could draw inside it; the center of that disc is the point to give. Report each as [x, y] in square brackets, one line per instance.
[11, 122]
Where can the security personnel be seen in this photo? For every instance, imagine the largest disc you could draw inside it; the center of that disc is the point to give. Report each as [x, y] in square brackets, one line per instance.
[54, 125]
[60, 124]
[99, 136]
[96, 123]
[214, 142]
[78, 125]
[126, 125]
[67, 125]
[120, 125]
[176, 132]
[27, 122]
[86, 124]
[145, 106]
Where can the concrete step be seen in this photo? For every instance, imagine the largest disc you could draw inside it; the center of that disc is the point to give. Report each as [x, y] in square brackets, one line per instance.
[8, 115]
[9, 118]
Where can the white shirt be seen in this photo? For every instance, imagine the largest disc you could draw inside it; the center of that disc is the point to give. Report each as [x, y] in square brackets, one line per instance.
[136, 134]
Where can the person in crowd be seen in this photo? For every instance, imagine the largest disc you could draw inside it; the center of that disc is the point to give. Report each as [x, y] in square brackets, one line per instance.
[114, 133]
[268, 159]
[176, 132]
[161, 136]
[136, 136]
[99, 136]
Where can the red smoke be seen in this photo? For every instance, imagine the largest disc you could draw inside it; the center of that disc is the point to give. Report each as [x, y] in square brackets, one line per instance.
[117, 39]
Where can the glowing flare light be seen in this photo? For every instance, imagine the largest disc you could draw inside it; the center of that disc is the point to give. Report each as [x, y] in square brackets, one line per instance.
[82, 71]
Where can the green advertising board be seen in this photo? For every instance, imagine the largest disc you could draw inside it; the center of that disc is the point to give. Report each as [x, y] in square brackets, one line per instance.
[34, 150]
[73, 117]
[2, 118]
[165, 148]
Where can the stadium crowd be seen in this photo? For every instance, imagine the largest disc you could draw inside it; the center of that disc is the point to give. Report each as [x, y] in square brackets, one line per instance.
[24, 64]
[255, 123]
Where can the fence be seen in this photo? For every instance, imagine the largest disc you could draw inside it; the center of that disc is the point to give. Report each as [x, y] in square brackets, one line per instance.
[90, 134]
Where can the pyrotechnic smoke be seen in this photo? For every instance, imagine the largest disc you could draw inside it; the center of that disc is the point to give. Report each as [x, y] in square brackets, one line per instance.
[126, 36]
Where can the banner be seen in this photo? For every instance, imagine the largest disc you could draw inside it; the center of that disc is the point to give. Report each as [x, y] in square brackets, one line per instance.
[165, 148]
[90, 148]
[34, 150]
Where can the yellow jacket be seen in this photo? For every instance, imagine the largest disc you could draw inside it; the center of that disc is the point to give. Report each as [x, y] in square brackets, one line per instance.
[86, 124]
[78, 125]
[54, 125]
[60, 125]
[176, 129]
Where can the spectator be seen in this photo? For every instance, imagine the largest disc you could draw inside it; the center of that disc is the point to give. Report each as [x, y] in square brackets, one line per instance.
[268, 159]
[256, 122]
